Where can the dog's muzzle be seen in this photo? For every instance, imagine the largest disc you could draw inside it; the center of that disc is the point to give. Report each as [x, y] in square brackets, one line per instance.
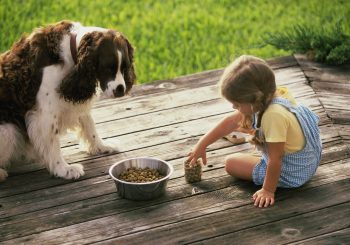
[119, 91]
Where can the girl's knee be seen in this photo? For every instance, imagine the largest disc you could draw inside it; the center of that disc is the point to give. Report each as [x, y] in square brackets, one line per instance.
[241, 165]
[231, 164]
[233, 158]
[228, 160]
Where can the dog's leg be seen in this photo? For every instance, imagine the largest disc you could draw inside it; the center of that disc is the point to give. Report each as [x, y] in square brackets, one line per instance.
[9, 137]
[89, 139]
[44, 135]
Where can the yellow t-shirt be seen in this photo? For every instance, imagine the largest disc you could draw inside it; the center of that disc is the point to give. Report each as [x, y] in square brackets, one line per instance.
[280, 125]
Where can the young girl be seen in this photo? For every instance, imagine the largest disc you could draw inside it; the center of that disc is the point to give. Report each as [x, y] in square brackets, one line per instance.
[287, 133]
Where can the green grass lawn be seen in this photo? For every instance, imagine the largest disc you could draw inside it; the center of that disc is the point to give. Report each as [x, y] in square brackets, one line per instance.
[174, 38]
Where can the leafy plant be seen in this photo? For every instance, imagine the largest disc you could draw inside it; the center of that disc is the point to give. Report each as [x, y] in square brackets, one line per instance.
[329, 45]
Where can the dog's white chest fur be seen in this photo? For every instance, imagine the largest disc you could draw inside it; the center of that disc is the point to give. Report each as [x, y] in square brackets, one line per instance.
[51, 107]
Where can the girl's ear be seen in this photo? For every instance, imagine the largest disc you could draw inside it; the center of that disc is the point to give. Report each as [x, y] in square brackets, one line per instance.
[80, 84]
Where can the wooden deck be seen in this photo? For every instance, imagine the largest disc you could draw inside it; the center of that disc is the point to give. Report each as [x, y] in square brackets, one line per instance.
[164, 120]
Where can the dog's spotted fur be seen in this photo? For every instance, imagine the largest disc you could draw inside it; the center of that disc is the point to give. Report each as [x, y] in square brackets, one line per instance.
[43, 92]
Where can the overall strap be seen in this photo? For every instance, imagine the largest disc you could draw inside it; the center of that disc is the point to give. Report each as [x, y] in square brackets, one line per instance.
[282, 101]
[254, 120]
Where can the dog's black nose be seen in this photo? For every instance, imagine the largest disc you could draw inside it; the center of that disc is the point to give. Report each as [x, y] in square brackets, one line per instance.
[119, 91]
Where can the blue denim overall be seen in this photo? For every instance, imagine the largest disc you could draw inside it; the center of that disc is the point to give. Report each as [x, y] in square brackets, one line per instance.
[297, 167]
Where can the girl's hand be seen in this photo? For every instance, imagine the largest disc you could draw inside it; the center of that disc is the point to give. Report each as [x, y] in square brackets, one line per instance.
[196, 153]
[263, 198]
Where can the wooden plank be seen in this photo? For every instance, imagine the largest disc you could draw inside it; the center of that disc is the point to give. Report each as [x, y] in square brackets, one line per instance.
[141, 122]
[36, 200]
[336, 107]
[292, 229]
[181, 114]
[344, 132]
[335, 101]
[341, 88]
[227, 221]
[37, 180]
[141, 139]
[145, 121]
[324, 72]
[332, 84]
[220, 212]
[158, 119]
[337, 237]
[54, 182]
[128, 107]
[137, 144]
[205, 78]
[159, 136]
[340, 117]
[216, 184]
[282, 62]
[325, 77]
[284, 76]
[147, 104]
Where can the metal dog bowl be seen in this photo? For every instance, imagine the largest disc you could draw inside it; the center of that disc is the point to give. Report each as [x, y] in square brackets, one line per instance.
[141, 191]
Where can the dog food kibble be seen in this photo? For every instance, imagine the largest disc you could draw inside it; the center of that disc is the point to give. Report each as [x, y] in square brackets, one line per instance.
[140, 175]
[193, 173]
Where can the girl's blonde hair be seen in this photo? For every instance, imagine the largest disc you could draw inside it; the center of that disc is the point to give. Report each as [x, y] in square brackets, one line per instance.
[249, 80]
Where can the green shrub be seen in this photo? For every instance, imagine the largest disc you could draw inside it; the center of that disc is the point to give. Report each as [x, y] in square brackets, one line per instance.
[329, 45]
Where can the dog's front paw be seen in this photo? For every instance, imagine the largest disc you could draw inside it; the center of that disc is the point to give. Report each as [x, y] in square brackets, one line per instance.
[3, 175]
[73, 171]
[102, 149]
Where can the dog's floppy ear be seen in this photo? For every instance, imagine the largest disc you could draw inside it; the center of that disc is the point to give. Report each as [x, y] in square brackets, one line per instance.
[80, 84]
[130, 50]
[131, 76]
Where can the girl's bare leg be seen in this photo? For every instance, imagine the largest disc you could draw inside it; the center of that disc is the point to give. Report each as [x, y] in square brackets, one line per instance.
[241, 165]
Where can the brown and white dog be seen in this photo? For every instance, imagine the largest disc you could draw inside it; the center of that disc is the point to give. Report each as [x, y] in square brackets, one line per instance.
[48, 82]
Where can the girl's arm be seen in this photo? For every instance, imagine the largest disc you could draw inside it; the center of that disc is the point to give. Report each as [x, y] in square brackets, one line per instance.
[273, 172]
[266, 195]
[223, 128]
